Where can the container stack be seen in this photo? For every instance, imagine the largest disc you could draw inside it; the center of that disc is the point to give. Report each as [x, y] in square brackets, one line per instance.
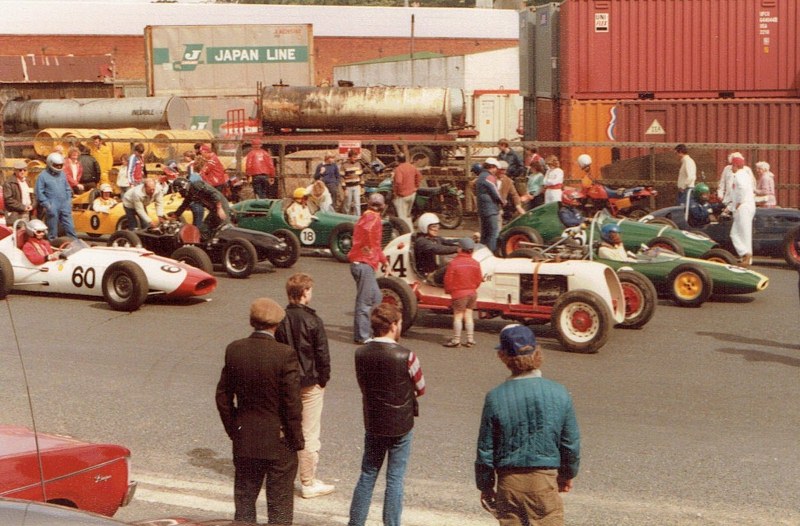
[666, 71]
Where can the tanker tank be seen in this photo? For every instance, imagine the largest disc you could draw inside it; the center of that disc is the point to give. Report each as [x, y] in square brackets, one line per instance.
[135, 112]
[363, 109]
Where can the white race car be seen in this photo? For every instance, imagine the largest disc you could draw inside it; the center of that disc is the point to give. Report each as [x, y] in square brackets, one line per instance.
[125, 277]
[581, 299]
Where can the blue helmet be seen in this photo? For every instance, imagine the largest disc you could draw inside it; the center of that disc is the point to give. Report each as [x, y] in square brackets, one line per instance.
[607, 230]
[476, 168]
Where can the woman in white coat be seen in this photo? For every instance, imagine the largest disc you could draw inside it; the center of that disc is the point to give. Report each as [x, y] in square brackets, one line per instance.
[743, 204]
[553, 180]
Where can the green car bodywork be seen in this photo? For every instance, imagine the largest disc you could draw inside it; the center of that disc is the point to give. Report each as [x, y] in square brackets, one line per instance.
[544, 220]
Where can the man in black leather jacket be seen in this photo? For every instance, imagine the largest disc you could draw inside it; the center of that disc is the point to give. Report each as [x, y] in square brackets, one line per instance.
[219, 211]
[304, 331]
[390, 379]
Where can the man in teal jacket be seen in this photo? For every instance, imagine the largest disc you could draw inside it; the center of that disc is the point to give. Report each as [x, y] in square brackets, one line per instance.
[529, 443]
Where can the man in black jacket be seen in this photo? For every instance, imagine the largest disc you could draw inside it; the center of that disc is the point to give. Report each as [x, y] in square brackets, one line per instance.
[390, 378]
[258, 399]
[219, 211]
[18, 195]
[304, 331]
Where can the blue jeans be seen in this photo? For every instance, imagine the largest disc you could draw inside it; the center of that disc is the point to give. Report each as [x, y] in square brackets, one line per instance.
[60, 216]
[367, 296]
[490, 229]
[132, 217]
[375, 450]
[198, 210]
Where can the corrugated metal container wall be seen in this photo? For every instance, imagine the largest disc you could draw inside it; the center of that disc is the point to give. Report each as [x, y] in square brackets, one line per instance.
[747, 121]
[211, 113]
[679, 48]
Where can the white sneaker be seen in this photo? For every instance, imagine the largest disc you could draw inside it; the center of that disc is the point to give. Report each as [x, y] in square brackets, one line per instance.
[316, 489]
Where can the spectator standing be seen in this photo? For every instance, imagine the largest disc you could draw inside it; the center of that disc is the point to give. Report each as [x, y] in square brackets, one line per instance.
[55, 197]
[534, 161]
[461, 280]
[515, 168]
[366, 256]
[136, 200]
[18, 195]
[90, 175]
[489, 203]
[687, 174]
[724, 190]
[320, 196]
[405, 183]
[328, 172]
[137, 171]
[529, 468]
[197, 208]
[73, 169]
[303, 330]
[104, 156]
[743, 205]
[258, 399]
[765, 189]
[259, 169]
[352, 190]
[535, 178]
[390, 378]
[122, 181]
[213, 171]
[553, 180]
[508, 193]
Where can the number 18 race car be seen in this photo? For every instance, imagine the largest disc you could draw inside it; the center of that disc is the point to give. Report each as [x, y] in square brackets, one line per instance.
[581, 299]
[124, 277]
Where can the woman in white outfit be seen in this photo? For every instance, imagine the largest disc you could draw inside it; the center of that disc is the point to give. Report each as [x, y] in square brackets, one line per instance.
[743, 204]
[553, 180]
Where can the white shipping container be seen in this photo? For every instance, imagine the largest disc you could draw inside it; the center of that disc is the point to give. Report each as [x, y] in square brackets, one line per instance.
[496, 115]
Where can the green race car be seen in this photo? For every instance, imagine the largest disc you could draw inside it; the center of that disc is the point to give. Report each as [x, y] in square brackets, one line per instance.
[329, 230]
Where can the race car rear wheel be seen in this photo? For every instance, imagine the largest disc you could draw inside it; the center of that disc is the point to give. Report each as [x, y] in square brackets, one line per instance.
[397, 292]
[239, 258]
[510, 239]
[640, 298]
[399, 227]
[720, 255]
[6, 276]
[341, 241]
[666, 243]
[636, 213]
[194, 256]
[689, 285]
[289, 258]
[124, 238]
[662, 221]
[125, 286]
[582, 321]
[791, 247]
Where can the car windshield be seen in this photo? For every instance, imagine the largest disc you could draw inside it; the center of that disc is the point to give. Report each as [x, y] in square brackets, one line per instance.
[73, 247]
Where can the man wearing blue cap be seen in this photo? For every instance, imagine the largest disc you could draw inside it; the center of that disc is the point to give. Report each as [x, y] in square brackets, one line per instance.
[529, 443]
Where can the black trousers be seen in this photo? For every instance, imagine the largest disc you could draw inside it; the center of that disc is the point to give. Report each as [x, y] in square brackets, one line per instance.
[250, 476]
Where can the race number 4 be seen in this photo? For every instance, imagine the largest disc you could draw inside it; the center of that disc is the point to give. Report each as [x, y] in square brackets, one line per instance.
[398, 266]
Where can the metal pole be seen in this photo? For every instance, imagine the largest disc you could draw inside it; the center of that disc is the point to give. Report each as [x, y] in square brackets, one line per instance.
[412, 51]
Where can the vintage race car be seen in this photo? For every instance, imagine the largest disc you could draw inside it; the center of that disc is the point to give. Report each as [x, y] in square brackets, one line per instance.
[124, 277]
[581, 299]
[776, 231]
[329, 230]
[542, 225]
[78, 474]
[98, 223]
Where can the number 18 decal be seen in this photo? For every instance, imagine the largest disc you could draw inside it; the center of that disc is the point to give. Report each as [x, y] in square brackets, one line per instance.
[308, 236]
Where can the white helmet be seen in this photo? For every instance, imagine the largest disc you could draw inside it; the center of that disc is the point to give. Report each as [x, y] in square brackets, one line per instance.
[36, 225]
[106, 188]
[54, 158]
[584, 160]
[426, 220]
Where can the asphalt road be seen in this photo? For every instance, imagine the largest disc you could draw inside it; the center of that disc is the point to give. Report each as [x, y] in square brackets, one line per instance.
[690, 420]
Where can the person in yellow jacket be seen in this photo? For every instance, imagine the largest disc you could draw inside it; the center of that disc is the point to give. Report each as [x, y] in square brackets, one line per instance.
[102, 153]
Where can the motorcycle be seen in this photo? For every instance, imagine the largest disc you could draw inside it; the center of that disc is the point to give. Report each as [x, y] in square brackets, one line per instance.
[443, 200]
[620, 202]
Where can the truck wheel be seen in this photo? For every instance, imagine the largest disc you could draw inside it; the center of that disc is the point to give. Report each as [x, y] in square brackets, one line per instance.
[397, 292]
[689, 285]
[720, 255]
[288, 259]
[791, 247]
[195, 257]
[640, 298]
[239, 258]
[666, 243]
[421, 156]
[341, 241]
[450, 212]
[6, 276]
[581, 320]
[124, 238]
[125, 286]
[510, 239]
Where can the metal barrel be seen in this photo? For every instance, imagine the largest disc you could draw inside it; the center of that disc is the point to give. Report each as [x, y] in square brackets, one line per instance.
[372, 109]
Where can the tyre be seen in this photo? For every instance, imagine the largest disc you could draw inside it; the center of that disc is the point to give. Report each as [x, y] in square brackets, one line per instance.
[421, 156]
[239, 258]
[720, 255]
[124, 238]
[398, 293]
[289, 258]
[663, 221]
[510, 240]
[125, 286]
[194, 256]
[341, 241]
[399, 227]
[581, 320]
[791, 247]
[689, 285]
[640, 298]
[666, 243]
[636, 213]
[6, 276]
[122, 224]
[450, 212]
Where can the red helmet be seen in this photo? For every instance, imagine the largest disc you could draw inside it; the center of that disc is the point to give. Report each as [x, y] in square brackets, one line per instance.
[571, 196]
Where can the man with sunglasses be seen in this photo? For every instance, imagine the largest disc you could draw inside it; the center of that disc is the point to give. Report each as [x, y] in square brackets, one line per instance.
[18, 195]
[55, 197]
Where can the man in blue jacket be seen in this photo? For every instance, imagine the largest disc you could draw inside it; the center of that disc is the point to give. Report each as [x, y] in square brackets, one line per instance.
[55, 197]
[529, 443]
[489, 203]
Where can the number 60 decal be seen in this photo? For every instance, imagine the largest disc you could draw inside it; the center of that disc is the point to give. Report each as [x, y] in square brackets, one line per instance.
[83, 278]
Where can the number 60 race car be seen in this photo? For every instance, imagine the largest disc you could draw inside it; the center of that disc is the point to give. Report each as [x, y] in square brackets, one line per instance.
[124, 277]
[581, 299]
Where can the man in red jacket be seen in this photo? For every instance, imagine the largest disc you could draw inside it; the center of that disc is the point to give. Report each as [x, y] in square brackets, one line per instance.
[260, 170]
[461, 281]
[213, 171]
[406, 181]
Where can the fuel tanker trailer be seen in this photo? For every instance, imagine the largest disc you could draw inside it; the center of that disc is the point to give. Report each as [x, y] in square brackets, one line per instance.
[378, 114]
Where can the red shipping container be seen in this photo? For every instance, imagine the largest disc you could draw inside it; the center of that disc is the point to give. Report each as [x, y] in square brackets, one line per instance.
[629, 49]
[757, 122]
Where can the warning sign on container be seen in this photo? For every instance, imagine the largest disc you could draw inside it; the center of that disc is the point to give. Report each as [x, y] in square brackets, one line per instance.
[655, 128]
[601, 22]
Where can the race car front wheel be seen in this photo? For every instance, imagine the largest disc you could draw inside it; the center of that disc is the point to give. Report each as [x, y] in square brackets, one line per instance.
[582, 321]
[791, 247]
[397, 292]
[689, 285]
[195, 257]
[640, 298]
[239, 258]
[125, 286]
